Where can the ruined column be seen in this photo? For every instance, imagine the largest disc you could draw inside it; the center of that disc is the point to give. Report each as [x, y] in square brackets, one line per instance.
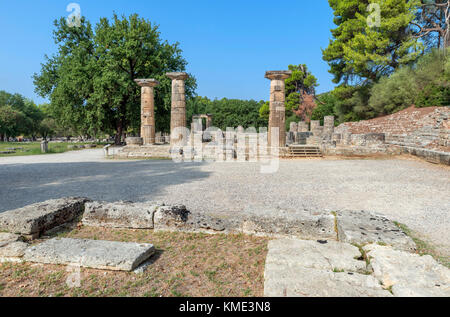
[328, 127]
[209, 121]
[303, 127]
[178, 112]
[316, 128]
[277, 117]
[293, 127]
[147, 109]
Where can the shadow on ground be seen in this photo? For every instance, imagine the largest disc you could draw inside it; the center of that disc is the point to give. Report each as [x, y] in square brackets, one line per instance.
[24, 184]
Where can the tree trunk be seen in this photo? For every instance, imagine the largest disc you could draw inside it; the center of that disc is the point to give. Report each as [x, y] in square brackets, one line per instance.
[119, 132]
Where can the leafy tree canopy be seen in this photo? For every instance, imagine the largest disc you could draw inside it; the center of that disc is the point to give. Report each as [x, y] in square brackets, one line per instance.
[90, 81]
[361, 52]
[228, 113]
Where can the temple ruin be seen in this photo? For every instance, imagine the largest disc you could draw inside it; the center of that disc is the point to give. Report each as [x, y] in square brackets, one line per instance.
[428, 137]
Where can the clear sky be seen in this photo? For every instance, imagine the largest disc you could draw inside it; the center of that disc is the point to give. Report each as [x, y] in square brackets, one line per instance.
[228, 44]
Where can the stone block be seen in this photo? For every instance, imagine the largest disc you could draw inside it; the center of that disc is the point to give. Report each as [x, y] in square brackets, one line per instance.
[277, 223]
[37, 218]
[362, 227]
[120, 214]
[296, 281]
[170, 218]
[324, 255]
[273, 223]
[297, 268]
[96, 254]
[7, 238]
[408, 274]
[13, 252]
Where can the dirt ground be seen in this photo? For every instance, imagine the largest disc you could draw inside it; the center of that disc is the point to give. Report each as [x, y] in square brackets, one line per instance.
[185, 264]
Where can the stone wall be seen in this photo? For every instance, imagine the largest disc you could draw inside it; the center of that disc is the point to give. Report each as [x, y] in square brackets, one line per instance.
[413, 127]
[423, 132]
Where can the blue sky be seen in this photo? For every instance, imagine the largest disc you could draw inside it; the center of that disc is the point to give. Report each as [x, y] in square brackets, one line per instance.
[228, 44]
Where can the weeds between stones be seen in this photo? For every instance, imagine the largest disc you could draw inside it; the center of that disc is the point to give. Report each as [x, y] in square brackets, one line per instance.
[424, 248]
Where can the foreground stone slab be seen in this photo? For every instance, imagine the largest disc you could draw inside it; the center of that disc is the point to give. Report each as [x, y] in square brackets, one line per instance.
[317, 269]
[362, 227]
[120, 215]
[409, 274]
[35, 219]
[296, 281]
[324, 255]
[96, 254]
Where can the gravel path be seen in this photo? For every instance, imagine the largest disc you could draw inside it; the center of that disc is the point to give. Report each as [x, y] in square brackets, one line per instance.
[411, 192]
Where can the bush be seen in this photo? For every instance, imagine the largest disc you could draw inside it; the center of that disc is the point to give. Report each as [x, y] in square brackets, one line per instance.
[395, 93]
[424, 84]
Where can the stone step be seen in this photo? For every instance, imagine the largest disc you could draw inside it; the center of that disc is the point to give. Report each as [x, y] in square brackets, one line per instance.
[96, 254]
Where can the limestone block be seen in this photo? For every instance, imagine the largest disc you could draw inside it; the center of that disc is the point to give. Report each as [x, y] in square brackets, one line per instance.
[301, 224]
[363, 227]
[6, 238]
[13, 252]
[296, 281]
[303, 127]
[120, 214]
[96, 254]
[323, 255]
[317, 269]
[170, 217]
[37, 218]
[293, 127]
[133, 141]
[408, 274]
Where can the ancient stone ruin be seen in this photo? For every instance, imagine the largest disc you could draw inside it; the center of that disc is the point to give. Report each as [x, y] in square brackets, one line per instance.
[347, 253]
[423, 132]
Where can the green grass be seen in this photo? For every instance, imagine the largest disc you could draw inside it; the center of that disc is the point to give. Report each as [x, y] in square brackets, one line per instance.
[424, 248]
[34, 148]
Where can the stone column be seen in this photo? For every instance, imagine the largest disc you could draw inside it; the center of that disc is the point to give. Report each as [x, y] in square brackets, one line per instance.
[178, 112]
[316, 128]
[209, 121]
[147, 109]
[277, 117]
[328, 127]
[293, 127]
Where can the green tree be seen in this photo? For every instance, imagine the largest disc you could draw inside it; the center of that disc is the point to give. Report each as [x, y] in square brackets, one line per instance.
[361, 52]
[432, 23]
[12, 122]
[326, 104]
[423, 84]
[228, 113]
[301, 82]
[90, 81]
[30, 114]
[264, 111]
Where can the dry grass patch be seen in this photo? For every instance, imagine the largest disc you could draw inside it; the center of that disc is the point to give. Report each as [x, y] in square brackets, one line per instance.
[185, 264]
